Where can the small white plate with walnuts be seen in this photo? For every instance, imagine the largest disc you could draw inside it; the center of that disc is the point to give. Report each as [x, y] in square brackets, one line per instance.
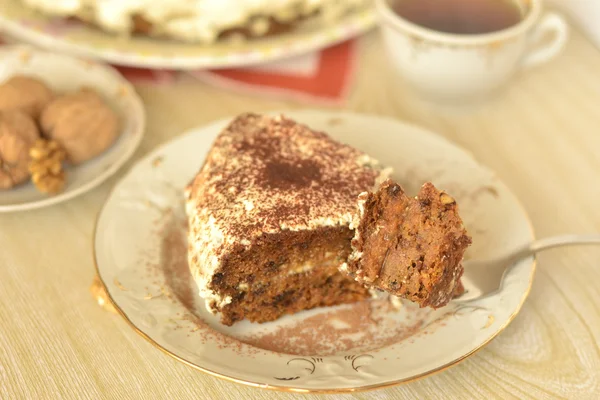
[66, 125]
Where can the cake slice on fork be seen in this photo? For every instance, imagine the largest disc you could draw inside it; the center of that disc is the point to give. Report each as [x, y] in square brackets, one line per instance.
[409, 247]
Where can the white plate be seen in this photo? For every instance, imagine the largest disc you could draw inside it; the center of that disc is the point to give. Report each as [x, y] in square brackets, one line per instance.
[140, 256]
[65, 74]
[80, 39]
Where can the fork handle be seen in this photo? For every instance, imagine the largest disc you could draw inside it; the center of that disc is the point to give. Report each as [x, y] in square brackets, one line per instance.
[556, 241]
[485, 277]
[564, 240]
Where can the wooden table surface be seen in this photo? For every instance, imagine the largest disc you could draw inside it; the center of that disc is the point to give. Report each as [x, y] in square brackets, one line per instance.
[542, 136]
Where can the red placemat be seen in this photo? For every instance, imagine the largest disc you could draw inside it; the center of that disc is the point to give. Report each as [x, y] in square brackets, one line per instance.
[321, 77]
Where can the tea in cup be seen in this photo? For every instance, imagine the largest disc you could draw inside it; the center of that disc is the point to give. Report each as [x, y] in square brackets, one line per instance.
[457, 50]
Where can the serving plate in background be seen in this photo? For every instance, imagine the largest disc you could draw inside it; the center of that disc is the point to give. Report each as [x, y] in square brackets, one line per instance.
[77, 38]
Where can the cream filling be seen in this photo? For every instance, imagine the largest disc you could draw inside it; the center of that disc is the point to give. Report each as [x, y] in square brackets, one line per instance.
[395, 301]
[301, 269]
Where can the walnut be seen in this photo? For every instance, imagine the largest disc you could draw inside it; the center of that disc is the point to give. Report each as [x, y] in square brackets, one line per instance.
[82, 123]
[23, 93]
[18, 132]
[446, 199]
[46, 166]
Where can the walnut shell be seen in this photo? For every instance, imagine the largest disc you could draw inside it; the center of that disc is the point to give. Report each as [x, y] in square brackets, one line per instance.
[82, 123]
[26, 94]
[18, 132]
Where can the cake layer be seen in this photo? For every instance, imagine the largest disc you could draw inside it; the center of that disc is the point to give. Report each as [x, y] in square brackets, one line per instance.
[286, 272]
[263, 178]
[202, 21]
[409, 247]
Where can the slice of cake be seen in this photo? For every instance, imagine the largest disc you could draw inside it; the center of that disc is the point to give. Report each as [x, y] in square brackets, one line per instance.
[270, 216]
[409, 247]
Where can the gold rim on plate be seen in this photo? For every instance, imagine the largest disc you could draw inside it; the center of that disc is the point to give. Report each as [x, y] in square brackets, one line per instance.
[100, 291]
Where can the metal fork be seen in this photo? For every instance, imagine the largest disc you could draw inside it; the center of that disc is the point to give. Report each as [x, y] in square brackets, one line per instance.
[484, 277]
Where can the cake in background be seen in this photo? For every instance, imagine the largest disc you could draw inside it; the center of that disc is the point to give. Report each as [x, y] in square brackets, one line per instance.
[199, 21]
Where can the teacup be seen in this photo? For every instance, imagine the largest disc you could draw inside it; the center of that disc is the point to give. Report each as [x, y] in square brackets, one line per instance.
[461, 67]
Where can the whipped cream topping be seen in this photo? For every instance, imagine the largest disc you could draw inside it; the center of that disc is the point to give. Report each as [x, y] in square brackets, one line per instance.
[294, 178]
[194, 20]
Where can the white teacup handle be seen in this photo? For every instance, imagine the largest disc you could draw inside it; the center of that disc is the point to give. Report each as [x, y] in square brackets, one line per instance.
[551, 24]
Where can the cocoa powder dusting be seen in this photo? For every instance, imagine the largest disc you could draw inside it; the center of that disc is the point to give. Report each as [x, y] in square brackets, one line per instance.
[363, 326]
[174, 258]
[180, 287]
[291, 176]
